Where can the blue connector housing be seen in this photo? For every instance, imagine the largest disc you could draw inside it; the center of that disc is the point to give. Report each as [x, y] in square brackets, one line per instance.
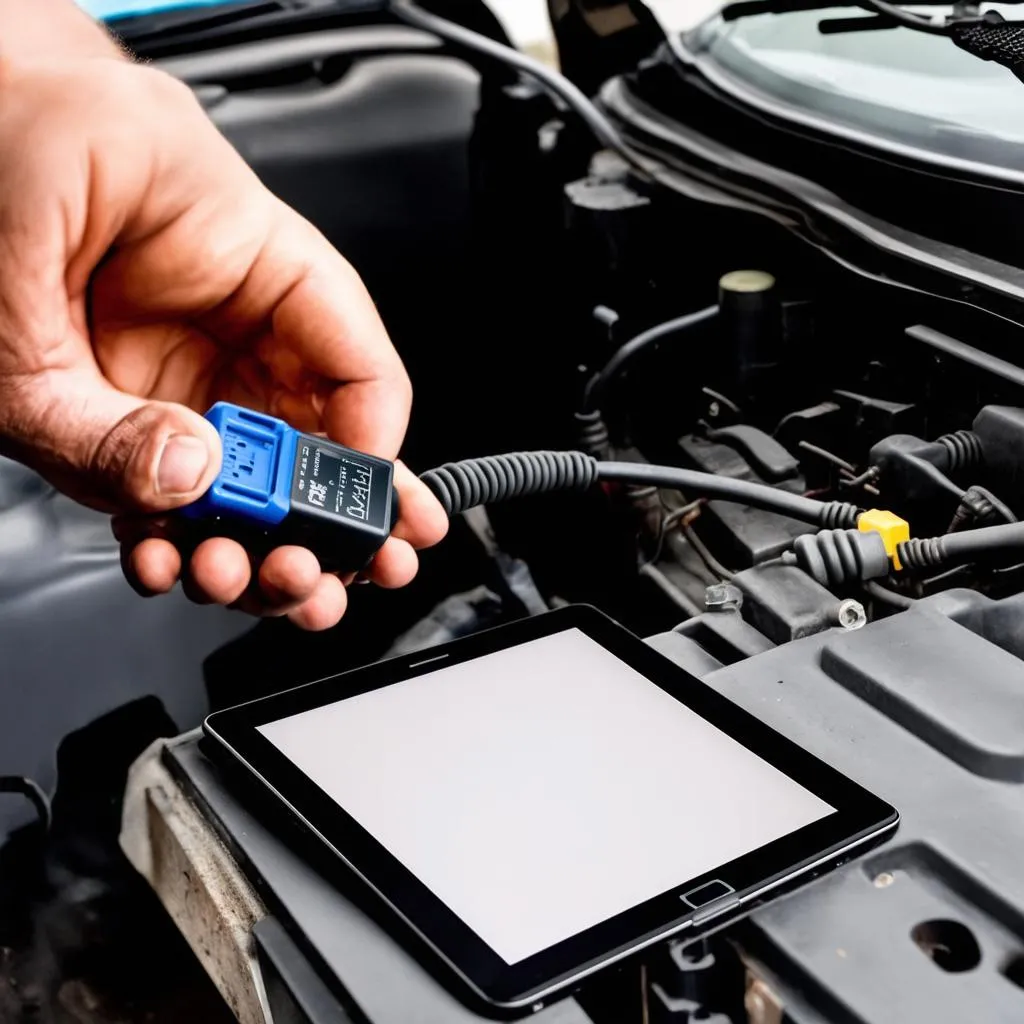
[255, 479]
[278, 486]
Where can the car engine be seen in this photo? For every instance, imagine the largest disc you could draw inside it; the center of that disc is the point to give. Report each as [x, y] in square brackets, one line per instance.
[728, 262]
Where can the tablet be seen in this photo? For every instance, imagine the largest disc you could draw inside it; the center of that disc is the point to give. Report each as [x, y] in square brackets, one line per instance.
[544, 799]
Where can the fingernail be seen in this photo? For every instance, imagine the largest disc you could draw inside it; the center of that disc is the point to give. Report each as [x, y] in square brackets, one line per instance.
[182, 465]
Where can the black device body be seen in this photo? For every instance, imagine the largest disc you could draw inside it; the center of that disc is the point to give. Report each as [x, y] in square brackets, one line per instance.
[277, 486]
[357, 511]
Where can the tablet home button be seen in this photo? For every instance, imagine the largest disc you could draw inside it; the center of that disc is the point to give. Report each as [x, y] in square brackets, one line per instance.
[707, 893]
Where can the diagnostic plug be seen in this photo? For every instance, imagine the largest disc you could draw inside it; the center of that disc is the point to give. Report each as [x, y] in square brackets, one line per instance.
[279, 486]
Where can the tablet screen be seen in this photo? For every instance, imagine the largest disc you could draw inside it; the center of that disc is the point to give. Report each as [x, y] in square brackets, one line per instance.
[542, 789]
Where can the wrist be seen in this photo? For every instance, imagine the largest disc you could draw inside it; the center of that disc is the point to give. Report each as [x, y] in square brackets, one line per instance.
[48, 29]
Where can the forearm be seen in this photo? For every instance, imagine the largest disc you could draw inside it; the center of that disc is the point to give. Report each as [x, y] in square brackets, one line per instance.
[40, 29]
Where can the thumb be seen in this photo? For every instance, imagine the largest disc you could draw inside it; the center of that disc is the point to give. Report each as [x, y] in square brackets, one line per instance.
[116, 452]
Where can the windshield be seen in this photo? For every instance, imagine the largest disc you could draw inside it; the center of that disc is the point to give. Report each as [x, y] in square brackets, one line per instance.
[108, 9]
[904, 89]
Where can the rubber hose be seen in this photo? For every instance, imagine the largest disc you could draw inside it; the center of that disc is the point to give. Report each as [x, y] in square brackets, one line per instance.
[963, 449]
[989, 505]
[827, 515]
[597, 389]
[889, 597]
[988, 543]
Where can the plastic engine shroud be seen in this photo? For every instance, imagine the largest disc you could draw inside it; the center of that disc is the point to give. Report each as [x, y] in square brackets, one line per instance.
[923, 709]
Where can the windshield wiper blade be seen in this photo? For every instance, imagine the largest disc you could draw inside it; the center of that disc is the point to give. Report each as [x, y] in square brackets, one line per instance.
[878, 8]
[862, 23]
[751, 8]
[988, 36]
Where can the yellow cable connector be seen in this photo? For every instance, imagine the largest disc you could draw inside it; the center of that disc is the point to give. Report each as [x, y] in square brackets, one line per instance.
[889, 526]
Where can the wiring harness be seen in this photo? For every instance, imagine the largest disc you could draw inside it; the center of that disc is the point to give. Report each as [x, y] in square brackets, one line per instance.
[597, 388]
[463, 485]
[838, 557]
[852, 546]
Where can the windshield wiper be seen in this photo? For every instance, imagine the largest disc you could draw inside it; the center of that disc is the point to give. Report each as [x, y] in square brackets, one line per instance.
[963, 13]
[988, 36]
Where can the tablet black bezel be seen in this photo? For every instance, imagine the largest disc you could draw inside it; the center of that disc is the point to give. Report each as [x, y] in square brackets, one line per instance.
[858, 814]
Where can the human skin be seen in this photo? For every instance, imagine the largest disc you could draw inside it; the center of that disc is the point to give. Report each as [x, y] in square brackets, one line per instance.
[145, 273]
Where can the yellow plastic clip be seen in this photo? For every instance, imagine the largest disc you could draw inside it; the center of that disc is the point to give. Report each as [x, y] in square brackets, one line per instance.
[892, 529]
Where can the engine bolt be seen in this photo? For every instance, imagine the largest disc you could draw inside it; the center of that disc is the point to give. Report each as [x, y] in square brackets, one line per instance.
[851, 615]
[723, 597]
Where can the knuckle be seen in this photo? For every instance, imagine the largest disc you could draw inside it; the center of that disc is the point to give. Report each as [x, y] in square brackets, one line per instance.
[400, 384]
[161, 86]
[121, 459]
[111, 460]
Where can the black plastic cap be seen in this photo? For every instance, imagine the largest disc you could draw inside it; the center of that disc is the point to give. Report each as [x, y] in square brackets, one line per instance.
[1000, 429]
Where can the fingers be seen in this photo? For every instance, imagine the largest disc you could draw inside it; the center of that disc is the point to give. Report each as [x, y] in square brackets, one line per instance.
[153, 566]
[288, 582]
[324, 607]
[422, 521]
[330, 323]
[218, 573]
[395, 565]
[288, 576]
[324, 329]
[221, 572]
[370, 416]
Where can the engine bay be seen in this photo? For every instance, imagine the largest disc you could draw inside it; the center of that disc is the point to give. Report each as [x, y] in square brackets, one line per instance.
[728, 290]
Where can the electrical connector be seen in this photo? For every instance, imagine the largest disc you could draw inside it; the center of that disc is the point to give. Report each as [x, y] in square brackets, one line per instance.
[890, 527]
[835, 558]
[915, 469]
[279, 486]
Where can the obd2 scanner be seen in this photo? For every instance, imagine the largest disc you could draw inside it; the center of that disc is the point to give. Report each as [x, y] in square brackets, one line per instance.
[279, 486]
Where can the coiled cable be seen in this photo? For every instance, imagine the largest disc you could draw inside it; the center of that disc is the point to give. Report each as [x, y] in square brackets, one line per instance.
[463, 485]
[592, 434]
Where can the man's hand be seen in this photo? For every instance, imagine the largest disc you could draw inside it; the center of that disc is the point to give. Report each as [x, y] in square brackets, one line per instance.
[145, 273]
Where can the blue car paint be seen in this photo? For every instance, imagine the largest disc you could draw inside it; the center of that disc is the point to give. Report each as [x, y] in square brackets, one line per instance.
[109, 9]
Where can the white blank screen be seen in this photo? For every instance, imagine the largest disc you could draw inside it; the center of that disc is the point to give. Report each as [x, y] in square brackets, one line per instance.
[543, 789]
